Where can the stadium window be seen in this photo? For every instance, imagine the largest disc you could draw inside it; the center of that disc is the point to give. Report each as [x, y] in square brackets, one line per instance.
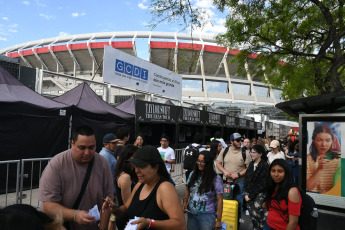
[261, 91]
[192, 85]
[240, 88]
[216, 86]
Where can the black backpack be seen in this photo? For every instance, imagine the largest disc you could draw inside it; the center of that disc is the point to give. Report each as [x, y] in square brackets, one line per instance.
[309, 215]
[191, 156]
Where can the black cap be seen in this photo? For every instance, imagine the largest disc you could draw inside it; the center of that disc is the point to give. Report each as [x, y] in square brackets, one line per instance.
[145, 156]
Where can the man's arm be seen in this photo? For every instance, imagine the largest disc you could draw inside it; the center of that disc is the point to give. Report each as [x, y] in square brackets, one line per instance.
[80, 216]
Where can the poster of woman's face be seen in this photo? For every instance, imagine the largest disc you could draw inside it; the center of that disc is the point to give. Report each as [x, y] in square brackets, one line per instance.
[324, 148]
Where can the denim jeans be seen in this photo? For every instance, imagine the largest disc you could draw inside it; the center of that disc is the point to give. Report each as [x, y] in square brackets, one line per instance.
[201, 221]
[239, 198]
[267, 227]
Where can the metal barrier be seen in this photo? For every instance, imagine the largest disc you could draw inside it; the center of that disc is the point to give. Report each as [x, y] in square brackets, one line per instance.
[31, 170]
[178, 174]
[13, 197]
[35, 173]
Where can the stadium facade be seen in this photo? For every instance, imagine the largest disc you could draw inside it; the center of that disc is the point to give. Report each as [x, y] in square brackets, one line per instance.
[208, 77]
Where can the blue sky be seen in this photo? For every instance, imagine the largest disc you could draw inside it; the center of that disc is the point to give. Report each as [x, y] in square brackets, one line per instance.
[22, 21]
[28, 20]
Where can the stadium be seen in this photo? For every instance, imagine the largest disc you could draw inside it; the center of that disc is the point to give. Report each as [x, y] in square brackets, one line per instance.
[209, 80]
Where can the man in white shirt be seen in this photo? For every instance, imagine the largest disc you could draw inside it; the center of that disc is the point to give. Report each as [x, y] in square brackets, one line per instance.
[167, 153]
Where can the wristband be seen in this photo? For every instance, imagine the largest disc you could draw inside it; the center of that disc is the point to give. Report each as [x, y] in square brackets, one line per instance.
[75, 215]
[152, 223]
[239, 174]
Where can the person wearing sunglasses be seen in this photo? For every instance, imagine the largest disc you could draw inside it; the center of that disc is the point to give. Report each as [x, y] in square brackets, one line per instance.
[234, 165]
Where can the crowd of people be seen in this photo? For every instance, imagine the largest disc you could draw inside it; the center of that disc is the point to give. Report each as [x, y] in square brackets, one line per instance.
[130, 184]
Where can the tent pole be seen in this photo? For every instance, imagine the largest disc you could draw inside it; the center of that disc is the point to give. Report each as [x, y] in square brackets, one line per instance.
[70, 132]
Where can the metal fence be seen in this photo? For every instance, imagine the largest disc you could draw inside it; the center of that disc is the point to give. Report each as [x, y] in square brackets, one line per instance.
[29, 171]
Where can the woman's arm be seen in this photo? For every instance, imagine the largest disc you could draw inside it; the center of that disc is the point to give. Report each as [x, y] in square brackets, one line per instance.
[169, 202]
[219, 210]
[313, 172]
[124, 182]
[185, 199]
[293, 197]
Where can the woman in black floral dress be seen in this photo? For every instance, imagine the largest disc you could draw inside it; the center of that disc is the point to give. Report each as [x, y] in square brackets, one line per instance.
[254, 189]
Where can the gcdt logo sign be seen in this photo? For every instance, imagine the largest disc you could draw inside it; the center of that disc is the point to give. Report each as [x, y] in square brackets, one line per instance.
[132, 70]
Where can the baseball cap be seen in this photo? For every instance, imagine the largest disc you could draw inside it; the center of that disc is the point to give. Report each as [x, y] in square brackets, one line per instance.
[235, 136]
[145, 156]
[110, 137]
[274, 144]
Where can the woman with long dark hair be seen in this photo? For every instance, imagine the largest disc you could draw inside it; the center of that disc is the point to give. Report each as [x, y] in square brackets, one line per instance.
[255, 183]
[216, 147]
[283, 198]
[322, 161]
[153, 199]
[125, 180]
[203, 197]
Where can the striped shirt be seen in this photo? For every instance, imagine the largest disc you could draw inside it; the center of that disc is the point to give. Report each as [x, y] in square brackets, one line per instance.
[326, 177]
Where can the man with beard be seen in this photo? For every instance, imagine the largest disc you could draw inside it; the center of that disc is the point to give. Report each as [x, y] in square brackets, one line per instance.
[231, 162]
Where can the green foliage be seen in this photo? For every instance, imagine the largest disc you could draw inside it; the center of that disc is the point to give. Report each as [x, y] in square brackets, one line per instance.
[299, 43]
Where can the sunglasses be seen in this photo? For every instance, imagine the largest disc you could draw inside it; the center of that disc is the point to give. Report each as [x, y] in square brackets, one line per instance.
[238, 140]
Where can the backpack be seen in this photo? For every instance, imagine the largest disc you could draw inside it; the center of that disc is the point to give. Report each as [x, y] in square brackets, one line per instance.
[309, 215]
[191, 156]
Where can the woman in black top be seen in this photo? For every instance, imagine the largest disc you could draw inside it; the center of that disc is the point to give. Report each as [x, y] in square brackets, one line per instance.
[153, 199]
[125, 180]
[255, 183]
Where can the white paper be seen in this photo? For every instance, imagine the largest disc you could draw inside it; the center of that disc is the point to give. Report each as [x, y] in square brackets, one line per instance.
[94, 212]
[132, 226]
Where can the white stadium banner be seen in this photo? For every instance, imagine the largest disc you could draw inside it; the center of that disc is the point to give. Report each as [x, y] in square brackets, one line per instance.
[120, 68]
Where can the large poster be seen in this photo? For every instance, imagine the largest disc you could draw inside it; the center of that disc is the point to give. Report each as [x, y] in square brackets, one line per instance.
[324, 151]
[125, 70]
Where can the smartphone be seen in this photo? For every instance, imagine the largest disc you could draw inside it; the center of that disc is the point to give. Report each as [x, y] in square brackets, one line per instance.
[112, 203]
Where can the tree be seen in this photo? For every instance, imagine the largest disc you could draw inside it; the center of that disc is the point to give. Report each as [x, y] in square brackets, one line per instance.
[298, 44]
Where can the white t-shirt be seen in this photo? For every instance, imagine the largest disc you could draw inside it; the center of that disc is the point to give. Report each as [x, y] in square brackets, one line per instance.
[272, 156]
[167, 154]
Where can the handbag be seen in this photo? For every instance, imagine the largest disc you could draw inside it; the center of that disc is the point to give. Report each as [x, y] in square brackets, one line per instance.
[229, 190]
[82, 190]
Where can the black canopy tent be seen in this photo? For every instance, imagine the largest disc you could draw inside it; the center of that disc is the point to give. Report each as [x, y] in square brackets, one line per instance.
[31, 126]
[89, 109]
[326, 103]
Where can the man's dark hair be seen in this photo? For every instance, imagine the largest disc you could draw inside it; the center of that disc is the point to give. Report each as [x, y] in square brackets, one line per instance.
[165, 136]
[82, 130]
[122, 133]
[198, 138]
[218, 134]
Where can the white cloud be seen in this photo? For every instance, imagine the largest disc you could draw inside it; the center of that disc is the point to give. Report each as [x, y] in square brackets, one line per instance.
[204, 4]
[142, 6]
[26, 2]
[12, 31]
[127, 3]
[61, 34]
[13, 26]
[47, 17]
[4, 18]
[76, 14]
[3, 39]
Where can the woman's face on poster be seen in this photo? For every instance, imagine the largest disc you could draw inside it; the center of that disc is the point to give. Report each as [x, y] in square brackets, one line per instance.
[323, 142]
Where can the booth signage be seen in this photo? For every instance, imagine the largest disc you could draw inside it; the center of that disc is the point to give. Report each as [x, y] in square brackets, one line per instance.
[155, 112]
[230, 121]
[213, 119]
[242, 123]
[192, 116]
[258, 125]
[126, 70]
[250, 124]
